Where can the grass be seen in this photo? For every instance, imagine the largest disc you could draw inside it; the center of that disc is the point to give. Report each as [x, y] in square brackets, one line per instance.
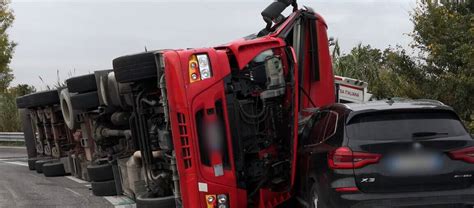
[12, 144]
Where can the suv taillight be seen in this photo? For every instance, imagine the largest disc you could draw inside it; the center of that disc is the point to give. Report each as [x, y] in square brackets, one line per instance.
[465, 154]
[345, 158]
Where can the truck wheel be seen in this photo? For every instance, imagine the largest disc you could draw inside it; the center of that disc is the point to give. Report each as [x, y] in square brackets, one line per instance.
[98, 173]
[53, 169]
[113, 90]
[135, 67]
[104, 188]
[85, 101]
[67, 110]
[32, 163]
[39, 165]
[21, 102]
[43, 98]
[145, 201]
[81, 84]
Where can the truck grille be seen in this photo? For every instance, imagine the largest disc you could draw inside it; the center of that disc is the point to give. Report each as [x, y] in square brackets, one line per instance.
[184, 138]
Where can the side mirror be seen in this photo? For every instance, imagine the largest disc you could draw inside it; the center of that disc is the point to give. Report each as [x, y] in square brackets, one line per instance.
[273, 12]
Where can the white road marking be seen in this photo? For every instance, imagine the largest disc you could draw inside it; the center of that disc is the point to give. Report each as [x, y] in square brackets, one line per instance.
[126, 206]
[120, 201]
[74, 192]
[16, 158]
[12, 192]
[77, 180]
[18, 163]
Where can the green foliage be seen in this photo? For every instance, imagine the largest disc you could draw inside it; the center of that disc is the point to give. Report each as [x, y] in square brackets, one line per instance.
[22, 89]
[444, 35]
[6, 45]
[443, 69]
[9, 118]
[390, 73]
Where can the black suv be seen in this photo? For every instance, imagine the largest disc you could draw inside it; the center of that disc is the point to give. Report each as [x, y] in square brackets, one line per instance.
[386, 154]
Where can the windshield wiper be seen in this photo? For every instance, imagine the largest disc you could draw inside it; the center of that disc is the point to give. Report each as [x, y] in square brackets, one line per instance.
[428, 135]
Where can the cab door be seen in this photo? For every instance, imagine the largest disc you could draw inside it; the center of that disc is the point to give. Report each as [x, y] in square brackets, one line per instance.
[309, 39]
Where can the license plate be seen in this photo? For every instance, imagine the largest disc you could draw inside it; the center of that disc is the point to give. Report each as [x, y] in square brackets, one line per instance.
[415, 164]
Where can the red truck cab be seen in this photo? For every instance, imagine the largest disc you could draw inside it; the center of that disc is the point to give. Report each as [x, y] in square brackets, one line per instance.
[234, 111]
[218, 127]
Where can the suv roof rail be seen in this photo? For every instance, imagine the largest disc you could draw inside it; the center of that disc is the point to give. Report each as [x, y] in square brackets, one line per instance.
[430, 101]
[399, 99]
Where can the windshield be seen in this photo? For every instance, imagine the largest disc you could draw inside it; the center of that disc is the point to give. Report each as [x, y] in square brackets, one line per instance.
[404, 125]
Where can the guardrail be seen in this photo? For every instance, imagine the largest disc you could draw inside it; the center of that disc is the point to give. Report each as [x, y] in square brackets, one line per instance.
[12, 137]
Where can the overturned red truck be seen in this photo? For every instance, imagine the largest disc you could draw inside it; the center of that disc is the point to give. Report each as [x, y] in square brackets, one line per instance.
[218, 127]
[213, 127]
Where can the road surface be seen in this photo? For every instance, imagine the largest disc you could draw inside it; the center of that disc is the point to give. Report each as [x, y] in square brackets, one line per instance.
[20, 187]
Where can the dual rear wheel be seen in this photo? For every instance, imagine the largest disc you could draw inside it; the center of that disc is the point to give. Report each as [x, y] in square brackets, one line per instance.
[102, 179]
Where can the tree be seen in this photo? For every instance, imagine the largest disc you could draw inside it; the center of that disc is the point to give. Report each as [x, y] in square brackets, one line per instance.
[443, 70]
[9, 118]
[390, 73]
[444, 35]
[6, 45]
[22, 89]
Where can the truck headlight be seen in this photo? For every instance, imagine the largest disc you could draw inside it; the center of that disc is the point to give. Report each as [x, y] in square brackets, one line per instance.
[211, 199]
[222, 199]
[217, 201]
[199, 68]
[204, 66]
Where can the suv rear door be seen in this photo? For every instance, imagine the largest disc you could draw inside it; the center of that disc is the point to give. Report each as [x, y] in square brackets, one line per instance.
[421, 150]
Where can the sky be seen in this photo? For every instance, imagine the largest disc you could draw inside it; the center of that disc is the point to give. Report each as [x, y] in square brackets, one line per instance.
[76, 37]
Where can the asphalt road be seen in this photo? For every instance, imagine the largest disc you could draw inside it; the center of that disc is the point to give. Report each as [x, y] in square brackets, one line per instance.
[20, 187]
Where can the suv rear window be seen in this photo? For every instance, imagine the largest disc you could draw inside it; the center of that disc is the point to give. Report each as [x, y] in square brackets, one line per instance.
[404, 125]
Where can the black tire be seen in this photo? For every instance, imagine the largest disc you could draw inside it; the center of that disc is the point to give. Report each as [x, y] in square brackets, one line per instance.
[82, 84]
[98, 173]
[135, 67]
[53, 169]
[21, 102]
[39, 99]
[104, 188]
[69, 114]
[145, 201]
[85, 101]
[32, 163]
[39, 165]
